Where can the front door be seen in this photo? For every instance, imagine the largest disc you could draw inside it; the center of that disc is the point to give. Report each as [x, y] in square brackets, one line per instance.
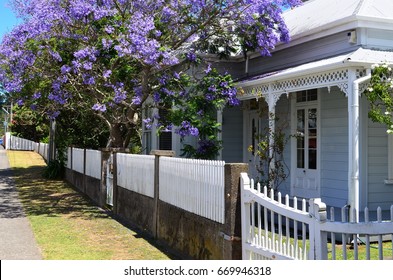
[306, 178]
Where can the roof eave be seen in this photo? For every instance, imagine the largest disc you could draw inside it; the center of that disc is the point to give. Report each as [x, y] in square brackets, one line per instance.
[323, 68]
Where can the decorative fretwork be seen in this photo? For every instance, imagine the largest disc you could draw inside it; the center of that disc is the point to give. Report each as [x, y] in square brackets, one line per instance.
[361, 73]
[363, 86]
[326, 79]
[343, 87]
[274, 98]
[255, 92]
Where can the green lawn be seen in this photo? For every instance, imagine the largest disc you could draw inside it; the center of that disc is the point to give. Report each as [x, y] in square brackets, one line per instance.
[67, 226]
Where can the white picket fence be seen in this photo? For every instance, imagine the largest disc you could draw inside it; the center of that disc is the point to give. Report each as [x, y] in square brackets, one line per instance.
[69, 156]
[194, 185]
[93, 164]
[136, 173]
[17, 143]
[78, 156]
[20, 144]
[275, 230]
[43, 150]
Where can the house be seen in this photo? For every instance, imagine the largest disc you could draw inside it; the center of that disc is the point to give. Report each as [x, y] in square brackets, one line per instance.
[314, 86]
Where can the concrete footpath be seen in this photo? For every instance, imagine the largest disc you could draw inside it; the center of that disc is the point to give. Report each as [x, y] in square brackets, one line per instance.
[17, 241]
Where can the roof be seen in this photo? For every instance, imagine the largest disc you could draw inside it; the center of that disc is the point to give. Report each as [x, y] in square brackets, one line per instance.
[321, 15]
[360, 57]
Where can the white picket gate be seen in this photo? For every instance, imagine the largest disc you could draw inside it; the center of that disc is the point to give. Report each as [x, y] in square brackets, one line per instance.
[275, 230]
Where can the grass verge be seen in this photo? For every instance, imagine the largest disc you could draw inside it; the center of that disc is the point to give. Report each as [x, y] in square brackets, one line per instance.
[66, 225]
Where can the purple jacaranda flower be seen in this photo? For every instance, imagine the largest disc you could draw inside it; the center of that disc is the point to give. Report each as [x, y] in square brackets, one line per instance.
[36, 95]
[88, 65]
[156, 97]
[209, 97]
[107, 44]
[65, 69]
[194, 131]
[212, 88]
[148, 123]
[88, 79]
[208, 69]
[107, 74]
[191, 56]
[224, 84]
[167, 91]
[136, 100]
[56, 55]
[99, 107]
[53, 114]
[109, 29]
[187, 129]
[162, 80]
[158, 33]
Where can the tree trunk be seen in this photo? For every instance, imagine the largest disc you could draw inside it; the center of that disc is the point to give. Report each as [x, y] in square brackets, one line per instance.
[116, 138]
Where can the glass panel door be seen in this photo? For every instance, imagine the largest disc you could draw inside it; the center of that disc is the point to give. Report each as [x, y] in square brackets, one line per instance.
[306, 183]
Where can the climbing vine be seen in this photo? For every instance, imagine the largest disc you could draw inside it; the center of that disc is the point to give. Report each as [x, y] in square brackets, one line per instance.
[269, 152]
[380, 95]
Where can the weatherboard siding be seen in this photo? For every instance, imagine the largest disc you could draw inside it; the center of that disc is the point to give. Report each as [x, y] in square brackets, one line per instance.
[232, 135]
[379, 194]
[378, 38]
[307, 52]
[334, 147]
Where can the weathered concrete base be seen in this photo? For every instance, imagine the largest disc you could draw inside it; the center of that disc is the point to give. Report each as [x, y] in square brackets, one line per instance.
[190, 234]
[92, 188]
[135, 208]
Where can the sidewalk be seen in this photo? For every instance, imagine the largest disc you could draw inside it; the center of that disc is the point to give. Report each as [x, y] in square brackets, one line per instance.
[16, 237]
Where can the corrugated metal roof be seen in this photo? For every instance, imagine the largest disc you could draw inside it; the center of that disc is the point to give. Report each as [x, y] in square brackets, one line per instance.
[360, 57]
[318, 15]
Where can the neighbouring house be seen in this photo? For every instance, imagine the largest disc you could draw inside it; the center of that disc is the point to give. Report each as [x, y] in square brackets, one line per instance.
[314, 86]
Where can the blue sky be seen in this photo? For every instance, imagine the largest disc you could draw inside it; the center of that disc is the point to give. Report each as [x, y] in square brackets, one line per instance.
[7, 18]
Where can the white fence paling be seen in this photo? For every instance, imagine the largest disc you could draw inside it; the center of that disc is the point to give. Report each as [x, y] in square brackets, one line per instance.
[194, 185]
[136, 173]
[43, 150]
[18, 143]
[69, 162]
[93, 163]
[275, 230]
[78, 160]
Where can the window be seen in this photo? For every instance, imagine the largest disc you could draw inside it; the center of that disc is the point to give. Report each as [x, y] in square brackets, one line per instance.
[307, 138]
[147, 131]
[307, 95]
[165, 138]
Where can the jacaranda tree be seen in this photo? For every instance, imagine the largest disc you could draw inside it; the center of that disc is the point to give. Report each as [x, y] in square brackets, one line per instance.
[116, 56]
